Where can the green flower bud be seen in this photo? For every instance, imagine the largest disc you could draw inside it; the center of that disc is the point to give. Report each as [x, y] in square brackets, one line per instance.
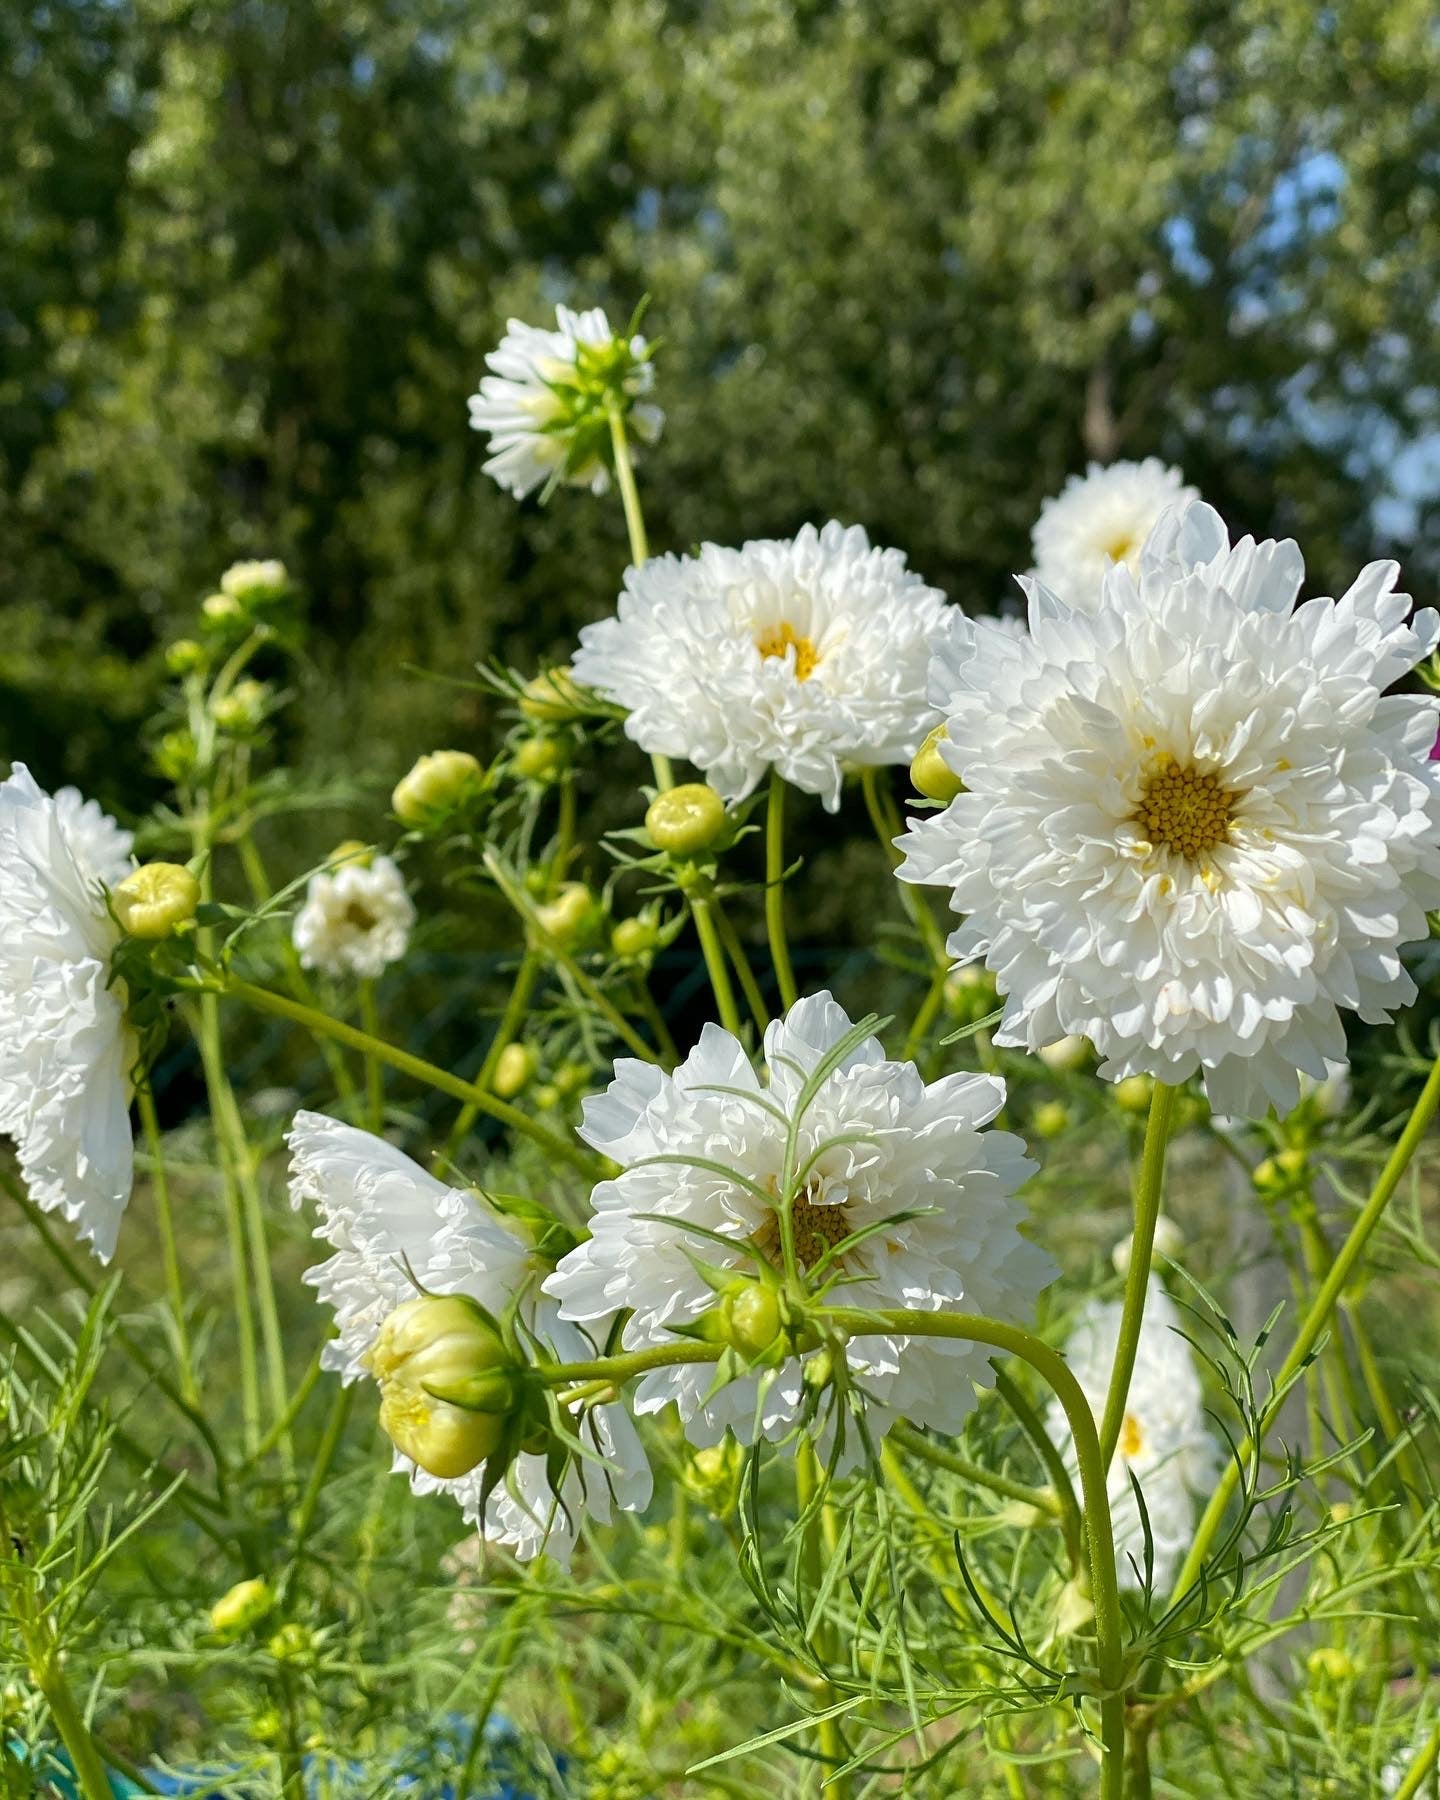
[514, 1068]
[242, 1606]
[635, 938]
[540, 759]
[970, 993]
[546, 1097]
[439, 784]
[752, 1318]
[930, 774]
[551, 697]
[685, 820]
[155, 899]
[1329, 1664]
[1065, 1055]
[1279, 1173]
[1050, 1118]
[174, 754]
[256, 584]
[430, 1347]
[1169, 1242]
[243, 708]
[292, 1643]
[222, 612]
[572, 917]
[572, 1078]
[1132, 1095]
[184, 656]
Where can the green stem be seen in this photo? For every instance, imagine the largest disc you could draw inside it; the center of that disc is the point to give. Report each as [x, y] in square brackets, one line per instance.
[419, 1070]
[1424, 1762]
[374, 1069]
[711, 950]
[1033, 1426]
[735, 950]
[924, 1017]
[775, 891]
[319, 1474]
[807, 1480]
[506, 1031]
[1318, 1317]
[85, 1759]
[1148, 1193]
[629, 493]
[880, 806]
[1042, 1499]
[168, 1249]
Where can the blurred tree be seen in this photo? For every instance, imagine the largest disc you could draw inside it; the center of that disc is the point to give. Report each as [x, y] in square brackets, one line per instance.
[913, 263]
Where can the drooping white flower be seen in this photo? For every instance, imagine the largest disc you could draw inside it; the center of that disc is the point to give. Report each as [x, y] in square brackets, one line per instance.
[391, 1225]
[544, 403]
[355, 919]
[1102, 517]
[803, 655]
[1196, 827]
[1163, 1442]
[874, 1143]
[65, 1050]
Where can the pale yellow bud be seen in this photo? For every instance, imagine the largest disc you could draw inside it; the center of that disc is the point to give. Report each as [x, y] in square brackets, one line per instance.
[242, 1606]
[434, 1345]
[540, 759]
[446, 1441]
[1169, 1242]
[514, 1067]
[154, 899]
[571, 916]
[1065, 1055]
[930, 774]
[552, 697]
[436, 785]
[1133, 1093]
[687, 819]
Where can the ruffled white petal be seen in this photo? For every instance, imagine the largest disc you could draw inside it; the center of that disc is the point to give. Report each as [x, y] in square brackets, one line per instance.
[355, 920]
[1101, 518]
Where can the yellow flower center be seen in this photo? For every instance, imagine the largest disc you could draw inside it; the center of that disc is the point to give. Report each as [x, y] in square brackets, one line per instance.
[1186, 811]
[1121, 549]
[775, 640]
[817, 1229]
[1132, 1438]
[360, 916]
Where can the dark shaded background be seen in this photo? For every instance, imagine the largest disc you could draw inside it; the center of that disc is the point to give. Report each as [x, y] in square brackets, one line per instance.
[912, 263]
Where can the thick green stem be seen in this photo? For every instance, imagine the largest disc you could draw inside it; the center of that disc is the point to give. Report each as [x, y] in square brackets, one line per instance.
[319, 1473]
[775, 892]
[419, 1070]
[1424, 1762]
[169, 1251]
[715, 967]
[374, 1068]
[1148, 1192]
[813, 1552]
[629, 493]
[735, 950]
[85, 1759]
[1318, 1317]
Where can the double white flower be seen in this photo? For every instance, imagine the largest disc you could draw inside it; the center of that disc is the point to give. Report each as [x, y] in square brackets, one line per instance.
[65, 1052]
[1196, 826]
[356, 919]
[395, 1229]
[1099, 518]
[874, 1147]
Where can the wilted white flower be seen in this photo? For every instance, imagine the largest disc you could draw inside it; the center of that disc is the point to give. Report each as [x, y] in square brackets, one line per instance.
[393, 1226]
[875, 1146]
[1163, 1440]
[65, 1050]
[1196, 827]
[1102, 517]
[803, 655]
[356, 919]
[545, 402]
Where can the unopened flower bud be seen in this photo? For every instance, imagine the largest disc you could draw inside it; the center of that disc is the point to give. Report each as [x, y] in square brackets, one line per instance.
[685, 820]
[1169, 1242]
[970, 993]
[572, 1078]
[292, 1643]
[571, 917]
[546, 1097]
[540, 759]
[352, 854]
[1065, 1055]
[1279, 1173]
[752, 1318]
[184, 656]
[551, 697]
[438, 1341]
[438, 784]
[445, 1388]
[446, 1441]
[1132, 1095]
[242, 708]
[1331, 1664]
[242, 1606]
[174, 754]
[156, 898]
[514, 1068]
[635, 937]
[819, 1370]
[256, 583]
[1050, 1118]
[222, 611]
[930, 774]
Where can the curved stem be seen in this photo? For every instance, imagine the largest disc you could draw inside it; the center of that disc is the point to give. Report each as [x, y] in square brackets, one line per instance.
[1042, 1499]
[711, 950]
[1148, 1192]
[1033, 1426]
[735, 950]
[173, 1285]
[775, 891]
[1318, 1316]
[593, 1167]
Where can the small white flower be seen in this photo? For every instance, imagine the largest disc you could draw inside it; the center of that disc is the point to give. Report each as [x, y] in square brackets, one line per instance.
[544, 402]
[355, 919]
[392, 1226]
[803, 655]
[874, 1143]
[1163, 1443]
[65, 1050]
[1196, 826]
[1102, 517]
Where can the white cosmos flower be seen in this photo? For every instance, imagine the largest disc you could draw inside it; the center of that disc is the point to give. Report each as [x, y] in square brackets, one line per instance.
[1196, 827]
[65, 1050]
[1163, 1442]
[355, 919]
[1102, 517]
[543, 404]
[877, 1144]
[803, 655]
[391, 1226]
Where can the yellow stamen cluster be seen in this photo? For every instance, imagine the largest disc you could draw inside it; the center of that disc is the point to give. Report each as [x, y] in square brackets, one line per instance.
[1121, 549]
[360, 916]
[816, 1229]
[1186, 811]
[1132, 1437]
[775, 640]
